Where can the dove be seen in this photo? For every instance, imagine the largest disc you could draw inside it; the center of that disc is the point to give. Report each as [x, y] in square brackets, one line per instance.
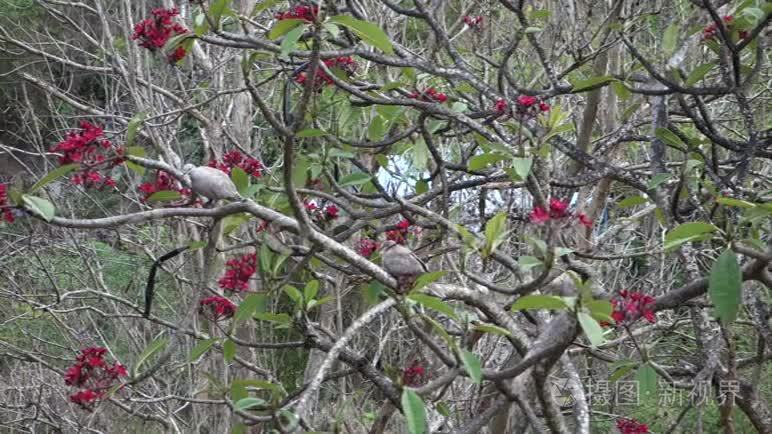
[211, 183]
[402, 263]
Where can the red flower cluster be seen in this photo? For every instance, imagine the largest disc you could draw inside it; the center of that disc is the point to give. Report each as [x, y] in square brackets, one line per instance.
[235, 158]
[399, 235]
[429, 95]
[163, 182]
[474, 22]
[629, 306]
[5, 207]
[239, 271]
[501, 106]
[177, 55]
[154, 32]
[300, 12]
[321, 214]
[557, 210]
[710, 31]
[631, 426]
[414, 375]
[527, 105]
[93, 375]
[92, 152]
[216, 308]
[366, 247]
[346, 63]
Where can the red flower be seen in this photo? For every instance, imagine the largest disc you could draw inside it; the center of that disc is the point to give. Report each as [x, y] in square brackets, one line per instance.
[414, 375]
[429, 95]
[558, 208]
[539, 215]
[585, 221]
[92, 373]
[74, 375]
[177, 55]
[238, 273]
[366, 247]
[234, 158]
[544, 107]
[217, 308]
[710, 31]
[501, 106]
[88, 149]
[346, 63]
[153, 33]
[399, 235]
[630, 306]
[331, 212]
[526, 101]
[163, 182]
[85, 398]
[5, 207]
[631, 426]
[474, 22]
[300, 12]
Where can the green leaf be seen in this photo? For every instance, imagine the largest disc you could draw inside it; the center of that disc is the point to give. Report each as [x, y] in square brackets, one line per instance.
[288, 44]
[623, 93]
[647, 380]
[591, 328]
[369, 33]
[632, 201]
[134, 124]
[247, 403]
[247, 308]
[372, 292]
[479, 162]
[522, 166]
[427, 278]
[53, 175]
[538, 301]
[670, 138]
[195, 245]
[434, 303]
[421, 186]
[600, 309]
[217, 9]
[154, 347]
[670, 39]
[42, 207]
[725, 287]
[495, 230]
[201, 348]
[592, 82]
[658, 179]
[136, 168]
[472, 366]
[699, 72]
[528, 262]
[240, 179]
[282, 27]
[281, 318]
[728, 201]
[293, 293]
[492, 328]
[311, 132]
[621, 370]
[415, 412]
[164, 196]
[688, 232]
[229, 350]
[264, 5]
[310, 291]
[356, 178]
[232, 222]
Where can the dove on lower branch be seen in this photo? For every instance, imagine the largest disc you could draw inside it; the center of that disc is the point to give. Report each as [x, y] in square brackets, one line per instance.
[211, 183]
[402, 263]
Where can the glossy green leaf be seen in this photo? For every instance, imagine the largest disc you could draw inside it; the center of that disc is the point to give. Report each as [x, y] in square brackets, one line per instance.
[373, 291]
[728, 201]
[164, 196]
[310, 291]
[249, 402]
[495, 230]
[282, 27]
[133, 128]
[369, 33]
[288, 44]
[538, 301]
[154, 347]
[311, 132]
[240, 179]
[492, 328]
[229, 350]
[472, 366]
[699, 72]
[39, 206]
[592, 82]
[434, 303]
[688, 232]
[482, 161]
[621, 370]
[632, 201]
[195, 245]
[647, 381]
[293, 293]
[234, 221]
[201, 348]
[670, 138]
[528, 262]
[281, 318]
[356, 178]
[623, 93]
[421, 186]
[725, 287]
[252, 303]
[217, 9]
[657, 180]
[53, 175]
[264, 5]
[670, 39]
[415, 411]
[522, 166]
[592, 329]
[427, 278]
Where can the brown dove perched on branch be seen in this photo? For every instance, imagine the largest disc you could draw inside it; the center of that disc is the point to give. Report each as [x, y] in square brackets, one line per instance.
[402, 263]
